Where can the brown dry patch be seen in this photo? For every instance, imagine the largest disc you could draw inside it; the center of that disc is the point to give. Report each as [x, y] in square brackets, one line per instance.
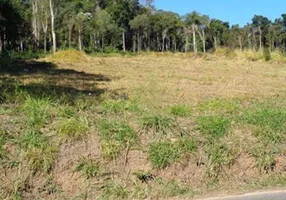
[71, 182]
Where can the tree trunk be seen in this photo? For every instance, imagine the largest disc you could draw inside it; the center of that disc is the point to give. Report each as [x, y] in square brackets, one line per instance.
[70, 35]
[215, 42]
[79, 40]
[53, 28]
[134, 43]
[187, 44]
[240, 43]
[260, 38]
[45, 42]
[194, 41]
[138, 43]
[204, 40]
[163, 42]
[102, 43]
[249, 41]
[123, 41]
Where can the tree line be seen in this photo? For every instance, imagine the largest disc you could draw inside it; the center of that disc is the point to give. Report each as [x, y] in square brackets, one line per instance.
[127, 25]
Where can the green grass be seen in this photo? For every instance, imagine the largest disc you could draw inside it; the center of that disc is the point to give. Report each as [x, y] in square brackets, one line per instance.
[213, 126]
[38, 150]
[37, 111]
[115, 136]
[219, 160]
[119, 106]
[74, 127]
[219, 106]
[157, 123]
[114, 190]
[267, 117]
[41, 159]
[31, 139]
[67, 112]
[265, 156]
[180, 110]
[88, 167]
[170, 188]
[3, 153]
[162, 154]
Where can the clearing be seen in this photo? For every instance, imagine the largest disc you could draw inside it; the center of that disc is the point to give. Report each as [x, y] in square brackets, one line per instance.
[134, 127]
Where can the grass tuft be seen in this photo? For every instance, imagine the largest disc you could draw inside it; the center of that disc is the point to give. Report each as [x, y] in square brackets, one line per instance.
[180, 110]
[114, 190]
[37, 111]
[157, 123]
[214, 126]
[88, 167]
[73, 127]
[162, 154]
[115, 136]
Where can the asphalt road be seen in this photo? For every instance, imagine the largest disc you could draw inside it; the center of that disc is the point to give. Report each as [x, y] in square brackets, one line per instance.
[276, 195]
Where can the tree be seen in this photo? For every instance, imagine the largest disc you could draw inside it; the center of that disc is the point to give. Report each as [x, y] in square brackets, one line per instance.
[53, 27]
[262, 25]
[140, 24]
[192, 21]
[218, 29]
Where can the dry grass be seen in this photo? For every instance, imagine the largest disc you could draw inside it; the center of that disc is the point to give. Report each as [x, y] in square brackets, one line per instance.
[185, 80]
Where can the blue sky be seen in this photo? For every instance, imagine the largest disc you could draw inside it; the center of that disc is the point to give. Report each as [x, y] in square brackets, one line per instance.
[234, 11]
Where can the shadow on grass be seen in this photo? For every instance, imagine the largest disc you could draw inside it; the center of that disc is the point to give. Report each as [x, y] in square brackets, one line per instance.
[43, 79]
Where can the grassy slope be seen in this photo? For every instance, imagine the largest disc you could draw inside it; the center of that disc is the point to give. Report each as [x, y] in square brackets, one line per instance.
[157, 126]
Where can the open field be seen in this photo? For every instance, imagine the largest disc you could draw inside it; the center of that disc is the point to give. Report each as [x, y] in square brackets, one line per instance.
[157, 126]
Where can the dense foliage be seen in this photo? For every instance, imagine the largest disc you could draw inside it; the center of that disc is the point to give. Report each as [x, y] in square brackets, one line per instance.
[127, 25]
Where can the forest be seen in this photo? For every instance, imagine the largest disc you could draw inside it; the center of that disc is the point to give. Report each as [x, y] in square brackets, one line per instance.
[127, 25]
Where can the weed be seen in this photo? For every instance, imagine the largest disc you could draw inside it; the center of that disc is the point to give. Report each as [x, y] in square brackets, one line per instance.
[88, 167]
[162, 154]
[214, 126]
[180, 110]
[73, 127]
[115, 136]
[114, 190]
[157, 123]
[37, 111]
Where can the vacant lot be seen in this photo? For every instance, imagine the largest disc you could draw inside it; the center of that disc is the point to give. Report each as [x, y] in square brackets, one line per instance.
[151, 126]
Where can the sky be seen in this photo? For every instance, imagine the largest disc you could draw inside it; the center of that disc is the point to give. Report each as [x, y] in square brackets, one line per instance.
[233, 11]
